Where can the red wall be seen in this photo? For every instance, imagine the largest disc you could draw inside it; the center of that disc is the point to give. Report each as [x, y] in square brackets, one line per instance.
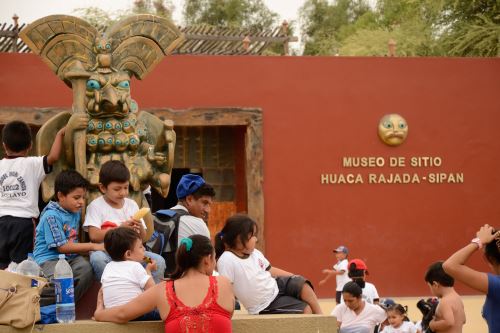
[320, 109]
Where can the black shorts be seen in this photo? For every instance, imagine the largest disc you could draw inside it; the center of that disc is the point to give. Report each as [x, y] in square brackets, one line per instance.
[16, 239]
[288, 298]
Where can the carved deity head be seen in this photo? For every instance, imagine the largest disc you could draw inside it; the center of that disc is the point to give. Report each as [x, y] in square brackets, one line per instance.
[108, 95]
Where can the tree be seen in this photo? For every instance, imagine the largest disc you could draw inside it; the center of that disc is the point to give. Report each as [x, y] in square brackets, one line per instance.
[472, 27]
[411, 23]
[252, 14]
[420, 27]
[95, 16]
[480, 38]
[100, 18]
[163, 8]
[325, 25]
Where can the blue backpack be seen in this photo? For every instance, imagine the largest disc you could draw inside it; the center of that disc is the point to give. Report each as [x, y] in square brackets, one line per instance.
[166, 234]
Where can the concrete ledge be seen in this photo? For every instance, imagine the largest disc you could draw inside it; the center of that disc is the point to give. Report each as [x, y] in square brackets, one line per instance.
[242, 323]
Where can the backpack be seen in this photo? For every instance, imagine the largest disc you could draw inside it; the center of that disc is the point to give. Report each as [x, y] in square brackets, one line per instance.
[165, 236]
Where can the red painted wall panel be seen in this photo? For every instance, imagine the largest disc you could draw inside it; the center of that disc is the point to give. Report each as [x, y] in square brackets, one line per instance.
[318, 110]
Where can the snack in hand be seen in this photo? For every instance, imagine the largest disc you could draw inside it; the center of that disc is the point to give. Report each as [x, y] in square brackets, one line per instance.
[147, 260]
[141, 213]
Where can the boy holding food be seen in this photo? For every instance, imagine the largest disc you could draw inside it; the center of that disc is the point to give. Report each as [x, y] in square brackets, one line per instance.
[114, 209]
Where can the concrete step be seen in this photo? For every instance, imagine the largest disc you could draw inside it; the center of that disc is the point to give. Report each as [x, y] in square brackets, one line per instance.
[242, 323]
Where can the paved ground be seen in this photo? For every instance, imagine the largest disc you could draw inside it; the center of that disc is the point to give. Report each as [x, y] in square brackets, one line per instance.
[473, 305]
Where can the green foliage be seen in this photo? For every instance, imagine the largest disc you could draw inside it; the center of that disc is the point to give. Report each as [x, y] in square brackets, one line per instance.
[95, 16]
[100, 18]
[163, 8]
[480, 39]
[251, 14]
[420, 27]
[472, 28]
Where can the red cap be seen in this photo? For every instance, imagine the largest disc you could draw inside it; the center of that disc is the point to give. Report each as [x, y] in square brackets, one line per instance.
[359, 264]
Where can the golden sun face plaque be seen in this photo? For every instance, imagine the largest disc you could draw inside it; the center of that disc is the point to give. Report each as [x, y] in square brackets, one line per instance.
[393, 129]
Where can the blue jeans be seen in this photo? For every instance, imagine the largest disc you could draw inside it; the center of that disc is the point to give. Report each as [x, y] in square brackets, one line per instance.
[99, 260]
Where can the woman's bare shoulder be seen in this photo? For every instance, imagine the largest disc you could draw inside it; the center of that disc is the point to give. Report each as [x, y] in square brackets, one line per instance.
[224, 285]
[222, 280]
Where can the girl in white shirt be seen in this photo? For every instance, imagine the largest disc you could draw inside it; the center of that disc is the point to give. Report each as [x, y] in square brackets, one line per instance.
[398, 320]
[261, 289]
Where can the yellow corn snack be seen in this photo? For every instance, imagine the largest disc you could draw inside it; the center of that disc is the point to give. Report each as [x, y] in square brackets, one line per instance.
[141, 213]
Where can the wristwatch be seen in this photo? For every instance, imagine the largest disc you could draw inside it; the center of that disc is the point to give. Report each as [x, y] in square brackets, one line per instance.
[478, 242]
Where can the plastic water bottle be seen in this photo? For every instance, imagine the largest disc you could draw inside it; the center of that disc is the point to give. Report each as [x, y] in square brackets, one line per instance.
[30, 268]
[12, 267]
[65, 294]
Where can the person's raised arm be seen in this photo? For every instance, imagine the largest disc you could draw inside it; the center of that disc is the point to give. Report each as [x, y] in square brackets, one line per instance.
[149, 268]
[55, 150]
[77, 121]
[455, 265]
[137, 226]
[149, 284]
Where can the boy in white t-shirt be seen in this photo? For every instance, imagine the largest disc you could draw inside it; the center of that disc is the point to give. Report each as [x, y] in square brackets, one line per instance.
[339, 271]
[111, 210]
[20, 179]
[125, 278]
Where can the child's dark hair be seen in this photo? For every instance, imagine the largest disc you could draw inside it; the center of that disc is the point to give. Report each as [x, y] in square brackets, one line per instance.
[113, 171]
[436, 273]
[238, 226]
[352, 288]
[492, 249]
[69, 180]
[118, 241]
[204, 190]
[16, 135]
[355, 273]
[186, 258]
[402, 310]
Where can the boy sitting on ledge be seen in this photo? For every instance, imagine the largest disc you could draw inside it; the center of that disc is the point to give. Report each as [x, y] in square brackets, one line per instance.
[114, 208]
[57, 233]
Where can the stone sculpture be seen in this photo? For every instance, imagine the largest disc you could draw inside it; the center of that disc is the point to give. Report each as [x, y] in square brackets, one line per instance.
[98, 67]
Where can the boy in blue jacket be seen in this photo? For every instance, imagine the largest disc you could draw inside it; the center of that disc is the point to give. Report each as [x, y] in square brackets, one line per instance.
[57, 232]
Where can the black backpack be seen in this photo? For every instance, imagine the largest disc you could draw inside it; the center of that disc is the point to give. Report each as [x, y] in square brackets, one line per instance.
[165, 236]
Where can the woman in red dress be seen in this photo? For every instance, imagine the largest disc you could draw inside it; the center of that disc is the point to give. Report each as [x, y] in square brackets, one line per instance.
[192, 301]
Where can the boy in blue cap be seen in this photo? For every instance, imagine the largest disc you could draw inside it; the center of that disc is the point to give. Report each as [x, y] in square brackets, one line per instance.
[195, 198]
